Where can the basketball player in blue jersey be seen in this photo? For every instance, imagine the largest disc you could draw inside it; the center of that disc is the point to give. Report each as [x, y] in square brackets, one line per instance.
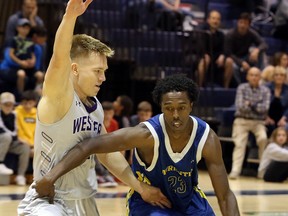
[167, 148]
[68, 113]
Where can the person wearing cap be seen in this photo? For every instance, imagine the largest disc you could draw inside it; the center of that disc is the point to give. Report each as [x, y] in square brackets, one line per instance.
[19, 61]
[9, 141]
[29, 11]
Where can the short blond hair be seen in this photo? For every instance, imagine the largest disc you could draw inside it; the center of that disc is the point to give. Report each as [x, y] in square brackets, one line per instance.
[279, 70]
[83, 45]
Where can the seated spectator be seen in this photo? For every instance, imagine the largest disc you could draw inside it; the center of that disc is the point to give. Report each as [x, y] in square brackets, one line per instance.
[26, 118]
[252, 104]
[104, 178]
[144, 112]
[213, 60]
[39, 38]
[9, 141]
[19, 65]
[123, 107]
[278, 109]
[274, 163]
[172, 17]
[109, 121]
[244, 48]
[279, 59]
[29, 11]
[281, 20]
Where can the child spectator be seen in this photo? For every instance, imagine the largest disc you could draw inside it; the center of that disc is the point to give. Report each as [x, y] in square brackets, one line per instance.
[144, 112]
[26, 118]
[274, 163]
[109, 122]
[19, 58]
[9, 141]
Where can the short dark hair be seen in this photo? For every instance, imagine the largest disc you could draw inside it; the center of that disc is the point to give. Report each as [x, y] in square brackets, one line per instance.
[245, 16]
[127, 104]
[29, 95]
[40, 31]
[107, 105]
[179, 83]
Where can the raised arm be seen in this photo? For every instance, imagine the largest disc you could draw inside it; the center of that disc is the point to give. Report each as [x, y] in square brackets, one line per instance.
[213, 157]
[57, 87]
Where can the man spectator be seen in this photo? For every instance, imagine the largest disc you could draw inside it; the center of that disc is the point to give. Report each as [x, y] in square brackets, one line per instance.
[29, 11]
[252, 104]
[213, 59]
[243, 47]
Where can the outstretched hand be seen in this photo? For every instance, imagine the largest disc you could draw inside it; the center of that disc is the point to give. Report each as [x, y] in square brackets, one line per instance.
[45, 188]
[77, 7]
[154, 196]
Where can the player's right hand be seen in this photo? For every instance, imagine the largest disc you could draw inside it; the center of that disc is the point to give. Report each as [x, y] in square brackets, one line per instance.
[45, 189]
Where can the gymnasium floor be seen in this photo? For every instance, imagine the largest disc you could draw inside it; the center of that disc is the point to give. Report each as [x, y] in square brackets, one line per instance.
[254, 196]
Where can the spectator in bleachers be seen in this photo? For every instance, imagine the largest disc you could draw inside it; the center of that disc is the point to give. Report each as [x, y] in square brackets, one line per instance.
[20, 59]
[110, 122]
[281, 20]
[181, 18]
[26, 118]
[278, 109]
[252, 104]
[274, 163]
[104, 178]
[9, 141]
[213, 60]
[123, 107]
[39, 38]
[279, 59]
[29, 11]
[144, 112]
[244, 48]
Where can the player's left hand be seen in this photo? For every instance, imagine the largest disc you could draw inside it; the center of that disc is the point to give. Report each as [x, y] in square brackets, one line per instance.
[154, 196]
[45, 188]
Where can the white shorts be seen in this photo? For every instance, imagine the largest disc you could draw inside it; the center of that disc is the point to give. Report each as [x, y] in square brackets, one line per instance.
[33, 206]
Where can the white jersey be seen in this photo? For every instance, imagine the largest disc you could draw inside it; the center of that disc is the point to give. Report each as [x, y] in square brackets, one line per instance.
[52, 141]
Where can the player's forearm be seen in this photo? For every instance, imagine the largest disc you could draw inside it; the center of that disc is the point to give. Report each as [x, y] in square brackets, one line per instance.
[118, 166]
[229, 205]
[64, 36]
[75, 157]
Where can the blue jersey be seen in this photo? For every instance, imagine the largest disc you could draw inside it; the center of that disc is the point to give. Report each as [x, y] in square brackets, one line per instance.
[174, 173]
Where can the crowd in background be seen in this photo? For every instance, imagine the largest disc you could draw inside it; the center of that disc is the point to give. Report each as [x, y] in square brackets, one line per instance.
[236, 58]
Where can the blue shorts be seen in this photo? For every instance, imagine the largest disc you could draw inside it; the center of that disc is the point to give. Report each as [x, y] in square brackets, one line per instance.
[138, 207]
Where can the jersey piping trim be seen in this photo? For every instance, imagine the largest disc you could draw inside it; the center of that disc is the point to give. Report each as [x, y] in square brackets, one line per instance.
[156, 147]
[202, 142]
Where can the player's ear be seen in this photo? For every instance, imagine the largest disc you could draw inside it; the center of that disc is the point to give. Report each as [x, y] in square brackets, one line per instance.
[74, 68]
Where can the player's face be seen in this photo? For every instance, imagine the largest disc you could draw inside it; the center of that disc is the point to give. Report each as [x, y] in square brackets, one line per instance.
[176, 108]
[90, 73]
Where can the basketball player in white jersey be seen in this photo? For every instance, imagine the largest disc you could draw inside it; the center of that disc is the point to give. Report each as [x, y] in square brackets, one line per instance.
[69, 112]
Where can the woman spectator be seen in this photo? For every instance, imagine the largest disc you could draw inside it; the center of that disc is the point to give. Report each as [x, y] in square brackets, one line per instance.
[278, 110]
[274, 163]
[279, 59]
